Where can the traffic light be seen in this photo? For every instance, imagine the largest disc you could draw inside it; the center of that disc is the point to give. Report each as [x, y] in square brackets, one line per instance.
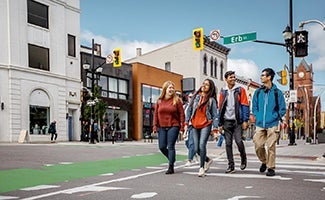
[117, 58]
[283, 75]
[198, 39]
[301, 43]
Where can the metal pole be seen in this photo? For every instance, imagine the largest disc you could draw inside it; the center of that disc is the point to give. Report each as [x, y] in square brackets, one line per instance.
[291, 113]
[315, 122]
[92, 68]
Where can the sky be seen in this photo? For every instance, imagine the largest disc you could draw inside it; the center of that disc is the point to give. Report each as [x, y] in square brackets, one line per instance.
[152, 24]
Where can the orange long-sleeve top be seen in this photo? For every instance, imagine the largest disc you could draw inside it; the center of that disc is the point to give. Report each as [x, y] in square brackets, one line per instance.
[167, 115]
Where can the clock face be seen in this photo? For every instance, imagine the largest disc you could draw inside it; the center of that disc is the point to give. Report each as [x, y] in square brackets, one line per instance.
[301, 74]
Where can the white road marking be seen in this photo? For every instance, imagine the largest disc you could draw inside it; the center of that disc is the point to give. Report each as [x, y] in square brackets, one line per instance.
[39, 187]
[249, 187]
[315, 180]
[91, 188]
[65, 163]
[107, 174]
[244, 176]
[144, 195]
[244, 197]
[8, 197]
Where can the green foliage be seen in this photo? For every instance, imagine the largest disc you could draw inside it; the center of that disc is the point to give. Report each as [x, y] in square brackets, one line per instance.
[99, 109]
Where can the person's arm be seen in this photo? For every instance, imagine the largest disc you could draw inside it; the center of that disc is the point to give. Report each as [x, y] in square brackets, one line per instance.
[155, 118]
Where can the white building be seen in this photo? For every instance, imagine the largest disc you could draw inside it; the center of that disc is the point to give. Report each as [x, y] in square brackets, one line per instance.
[39, 68]
[179, 57]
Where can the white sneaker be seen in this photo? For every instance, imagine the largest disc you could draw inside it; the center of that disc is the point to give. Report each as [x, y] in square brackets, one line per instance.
[207, 165]
[188, 163]
[201, 172]
[196, 159]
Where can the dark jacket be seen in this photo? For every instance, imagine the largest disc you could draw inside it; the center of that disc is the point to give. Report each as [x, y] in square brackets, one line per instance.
[241, 105]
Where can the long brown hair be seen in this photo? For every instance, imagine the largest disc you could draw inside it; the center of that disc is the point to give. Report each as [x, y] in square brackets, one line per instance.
[163, 92]
[212, 93]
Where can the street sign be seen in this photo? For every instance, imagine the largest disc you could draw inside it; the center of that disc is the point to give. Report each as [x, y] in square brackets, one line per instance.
[239, 38]
[214, 35]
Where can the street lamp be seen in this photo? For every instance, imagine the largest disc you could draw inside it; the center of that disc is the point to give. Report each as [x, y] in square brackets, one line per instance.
[288, 38]
[93, 71]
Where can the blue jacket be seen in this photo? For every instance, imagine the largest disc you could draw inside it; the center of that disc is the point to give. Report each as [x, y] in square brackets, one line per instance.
[211, 111]
[264, 107]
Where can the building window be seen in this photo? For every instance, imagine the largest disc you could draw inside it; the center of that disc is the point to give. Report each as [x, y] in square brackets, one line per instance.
[150, 94]
[38, 57]
[71, 45]
[221, 71]
[39, 120]
[38, 14]
[211, 67]
[113, 87]
[205, 60]
[215, 68]
[168, 66]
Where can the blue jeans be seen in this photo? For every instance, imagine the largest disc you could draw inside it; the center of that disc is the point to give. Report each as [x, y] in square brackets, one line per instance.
[167, 137]
[190, 144]
[200, 137]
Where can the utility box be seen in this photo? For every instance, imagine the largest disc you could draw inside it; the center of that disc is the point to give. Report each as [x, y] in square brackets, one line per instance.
[321, 137]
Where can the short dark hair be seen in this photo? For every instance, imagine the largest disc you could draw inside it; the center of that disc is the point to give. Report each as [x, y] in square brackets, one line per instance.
[228, 73]
[269, 72]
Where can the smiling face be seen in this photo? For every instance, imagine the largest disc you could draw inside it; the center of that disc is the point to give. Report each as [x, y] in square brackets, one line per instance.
[170, 90]
[231, 80]
[205, 87]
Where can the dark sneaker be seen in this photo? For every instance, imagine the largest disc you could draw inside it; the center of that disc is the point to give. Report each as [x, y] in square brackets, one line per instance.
[243, 164]
[230, 170]
[263, 168]
[270, 172]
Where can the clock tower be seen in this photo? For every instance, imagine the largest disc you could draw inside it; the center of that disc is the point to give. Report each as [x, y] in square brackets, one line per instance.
[304, 108]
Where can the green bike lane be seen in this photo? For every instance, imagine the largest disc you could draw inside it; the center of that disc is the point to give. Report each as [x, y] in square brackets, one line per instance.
[16, 179]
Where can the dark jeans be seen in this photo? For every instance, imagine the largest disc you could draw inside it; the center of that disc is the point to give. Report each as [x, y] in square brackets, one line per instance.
[200, 137]
[233, 130]
[55, 135]
[167, 137]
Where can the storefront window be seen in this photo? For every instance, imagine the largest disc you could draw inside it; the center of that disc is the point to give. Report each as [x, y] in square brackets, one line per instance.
[39, 120]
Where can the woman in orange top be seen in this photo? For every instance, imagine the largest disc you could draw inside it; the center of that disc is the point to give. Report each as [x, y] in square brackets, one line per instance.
[203, 113]
[169, 121]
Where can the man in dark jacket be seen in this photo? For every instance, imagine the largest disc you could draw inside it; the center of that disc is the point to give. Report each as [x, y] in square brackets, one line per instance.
[233, 118]
[52, 131]
[268, 108]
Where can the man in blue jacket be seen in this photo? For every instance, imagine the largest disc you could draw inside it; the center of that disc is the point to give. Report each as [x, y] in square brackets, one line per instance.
[268, 108]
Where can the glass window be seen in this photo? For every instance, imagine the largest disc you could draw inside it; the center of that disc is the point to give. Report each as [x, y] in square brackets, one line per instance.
[155, 94]
[122, 86]
[211, 67]
[215, 69]
[167, 66]
[112, 84]
[103, 82]
[205, 60]
[146, 93]
[37, 14]
[39, 120]
[71, 45]
[38, 57]
[221, 71]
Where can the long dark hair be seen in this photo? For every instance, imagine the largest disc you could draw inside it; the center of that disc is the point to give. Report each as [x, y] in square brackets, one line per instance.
[212, 93]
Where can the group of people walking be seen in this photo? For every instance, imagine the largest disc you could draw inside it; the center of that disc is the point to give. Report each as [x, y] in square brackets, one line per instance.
[203, 114]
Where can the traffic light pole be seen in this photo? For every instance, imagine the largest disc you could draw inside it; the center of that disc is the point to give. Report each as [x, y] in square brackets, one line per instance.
[292, 136]
[92, 115]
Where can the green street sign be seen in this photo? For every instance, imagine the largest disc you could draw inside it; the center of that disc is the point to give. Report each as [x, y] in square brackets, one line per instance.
[239, 38]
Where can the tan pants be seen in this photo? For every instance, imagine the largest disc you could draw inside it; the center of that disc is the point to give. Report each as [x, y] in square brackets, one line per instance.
[270, 137]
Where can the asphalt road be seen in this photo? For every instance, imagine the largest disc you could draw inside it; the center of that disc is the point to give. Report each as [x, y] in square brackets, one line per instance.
[139, 174]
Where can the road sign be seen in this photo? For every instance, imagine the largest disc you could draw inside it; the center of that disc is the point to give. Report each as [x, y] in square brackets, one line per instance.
[214, 35]
[109, 59]
[239, 38]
